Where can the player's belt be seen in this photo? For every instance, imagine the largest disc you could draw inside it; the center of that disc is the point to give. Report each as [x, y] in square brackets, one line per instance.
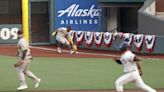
[130, 71]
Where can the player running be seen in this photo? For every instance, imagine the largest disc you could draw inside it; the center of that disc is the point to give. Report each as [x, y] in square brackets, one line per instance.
[22, 66]
[132, 70]
[63, 37]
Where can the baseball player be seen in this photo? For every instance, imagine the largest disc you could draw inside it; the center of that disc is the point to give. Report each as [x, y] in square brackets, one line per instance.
[132, 70]
[63, 37]
[22, 66]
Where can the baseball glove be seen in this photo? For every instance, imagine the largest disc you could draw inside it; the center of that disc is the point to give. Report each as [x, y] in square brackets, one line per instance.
[20, 62]
[54, 33]
[117, 60]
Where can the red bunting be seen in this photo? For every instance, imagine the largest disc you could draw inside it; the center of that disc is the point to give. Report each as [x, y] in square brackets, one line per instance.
[79, 37]
[150, 41]
[98, 38]
[138, 41]
[107, 38]
[88, 38]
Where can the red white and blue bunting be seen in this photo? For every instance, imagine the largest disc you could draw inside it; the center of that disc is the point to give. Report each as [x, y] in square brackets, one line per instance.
[107, 38]
[79, 37]
[98, 36]
[150, 41]
[128, 37]
[117, 34]
[138, 41]
[88, 38]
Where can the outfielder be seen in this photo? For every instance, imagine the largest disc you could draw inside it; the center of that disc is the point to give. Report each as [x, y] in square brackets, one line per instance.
[132, 70]
[63, 37]
[23, 64]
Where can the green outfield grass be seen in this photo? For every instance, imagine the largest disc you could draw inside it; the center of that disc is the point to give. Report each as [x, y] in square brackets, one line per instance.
[73, 73]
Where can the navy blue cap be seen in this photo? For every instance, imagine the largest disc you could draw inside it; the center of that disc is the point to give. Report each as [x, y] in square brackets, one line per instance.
[123, 46]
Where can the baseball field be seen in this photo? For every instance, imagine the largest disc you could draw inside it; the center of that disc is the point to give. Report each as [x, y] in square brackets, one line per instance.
[70, 73]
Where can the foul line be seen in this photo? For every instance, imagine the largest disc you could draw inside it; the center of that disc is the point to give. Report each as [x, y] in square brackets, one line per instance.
[88, 53]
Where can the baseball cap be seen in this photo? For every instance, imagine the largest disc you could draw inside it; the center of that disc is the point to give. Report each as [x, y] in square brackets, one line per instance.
[20, 32]
[123, 46]
[69, 27]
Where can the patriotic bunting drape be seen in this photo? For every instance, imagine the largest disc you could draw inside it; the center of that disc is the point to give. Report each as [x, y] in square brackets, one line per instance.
[117, 34]
[150, 41]
[98, 38]
[128, 37]
[138, 40]
[79, 37]
[88, 38]
[106, 38]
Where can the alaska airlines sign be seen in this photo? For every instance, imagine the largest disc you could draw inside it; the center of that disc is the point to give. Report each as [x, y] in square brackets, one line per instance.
[75, 11]
[80, 14]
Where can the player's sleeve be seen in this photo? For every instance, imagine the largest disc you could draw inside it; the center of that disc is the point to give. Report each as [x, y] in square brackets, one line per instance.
[134, 57]
[137, 58]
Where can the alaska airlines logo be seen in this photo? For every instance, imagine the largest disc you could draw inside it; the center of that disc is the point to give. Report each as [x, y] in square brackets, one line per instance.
[75, 11]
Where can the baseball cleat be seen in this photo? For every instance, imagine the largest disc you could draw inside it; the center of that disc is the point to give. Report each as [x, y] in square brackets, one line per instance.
[73, 51]
[76, 52]
[22, 87]
[37, 83]
[59, 50]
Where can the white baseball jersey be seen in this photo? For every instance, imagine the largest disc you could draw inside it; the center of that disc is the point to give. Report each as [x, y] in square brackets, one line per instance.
[131, 73]
[127, 59]
[23, 45]
[63, 36]
[62, 32]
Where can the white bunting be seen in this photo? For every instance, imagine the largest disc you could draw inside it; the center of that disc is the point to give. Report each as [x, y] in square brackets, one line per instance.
[107, 38]
[117, 34]
[150, 41]
[88, 38]
[128, 37]
[79, 37]
[138, 41]
[98, 38]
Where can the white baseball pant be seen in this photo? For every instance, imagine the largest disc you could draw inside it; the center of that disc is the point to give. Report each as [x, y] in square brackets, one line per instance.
[135, 78]
[62, 39]
[22, 71]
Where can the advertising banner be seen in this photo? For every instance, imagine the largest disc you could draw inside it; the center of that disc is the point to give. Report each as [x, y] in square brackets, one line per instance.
[81, 15]
[8, 33]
